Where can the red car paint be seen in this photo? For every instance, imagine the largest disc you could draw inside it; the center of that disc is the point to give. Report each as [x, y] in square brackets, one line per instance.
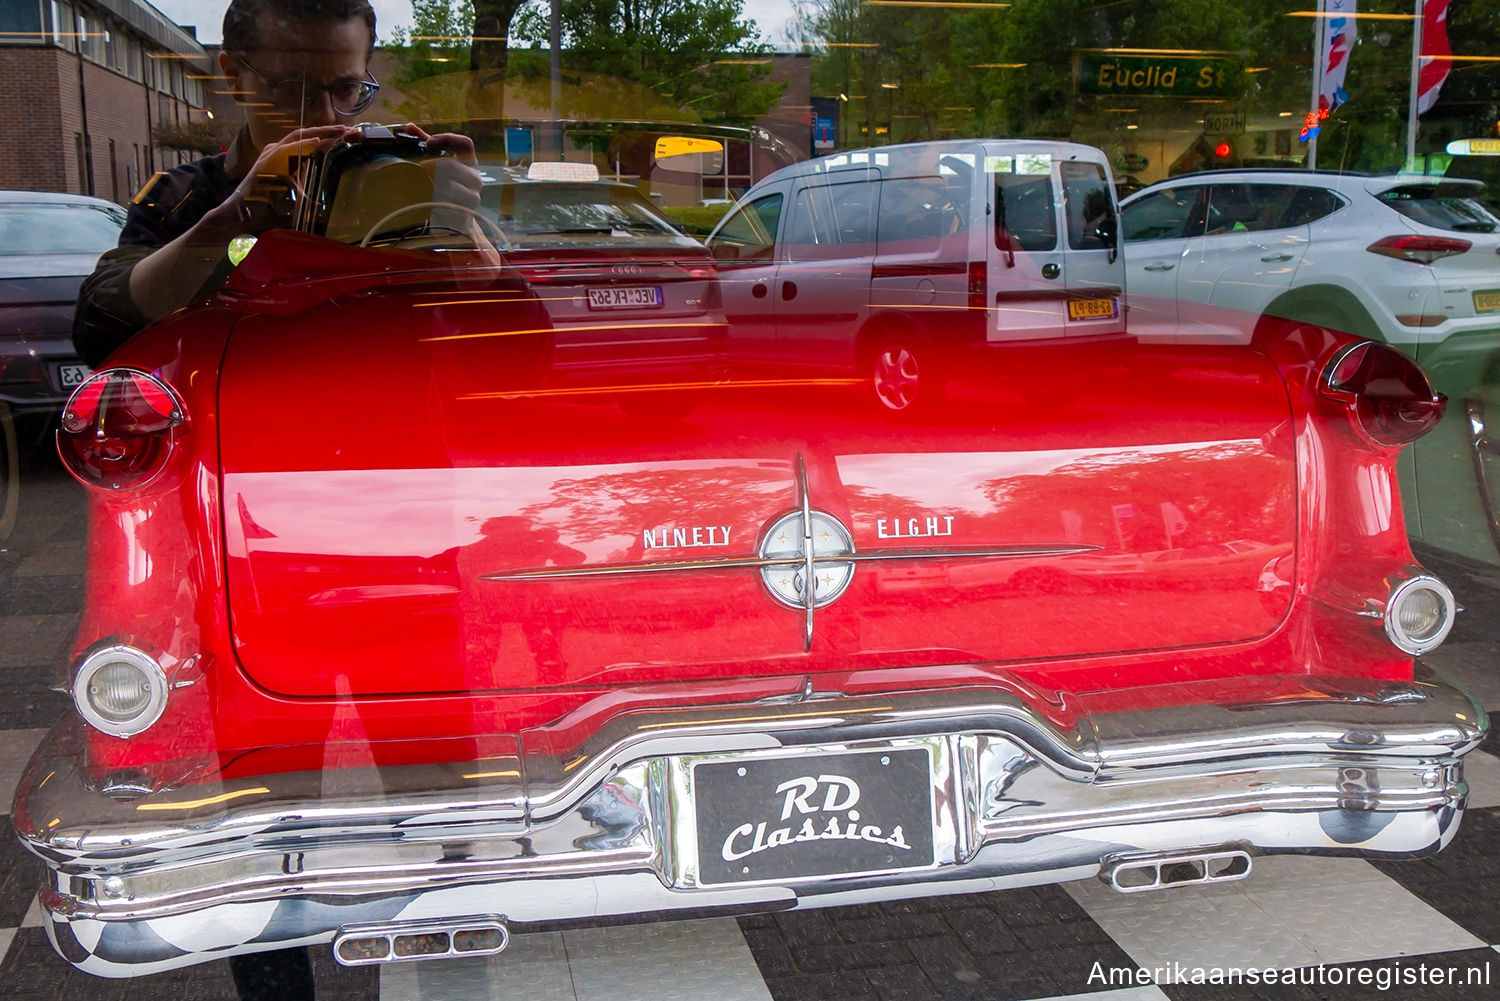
[355, 458]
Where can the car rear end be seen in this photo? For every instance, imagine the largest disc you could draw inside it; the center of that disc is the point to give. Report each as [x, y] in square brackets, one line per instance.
[38, 365]
[1431, 263]
[1454, 486]
[435, 661]
[620, 283]
[48, 244]
[1051, 251]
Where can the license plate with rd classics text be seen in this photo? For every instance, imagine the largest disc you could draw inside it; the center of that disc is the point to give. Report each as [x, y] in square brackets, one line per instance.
[813, 814]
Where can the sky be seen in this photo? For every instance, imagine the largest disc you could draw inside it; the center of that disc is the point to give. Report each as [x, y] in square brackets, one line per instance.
[208, 16]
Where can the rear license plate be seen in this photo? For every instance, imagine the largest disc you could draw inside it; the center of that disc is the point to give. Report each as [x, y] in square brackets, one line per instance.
[72, 376]
[1093, 309]
[843, 814]
[1487, 301]
[625, 298]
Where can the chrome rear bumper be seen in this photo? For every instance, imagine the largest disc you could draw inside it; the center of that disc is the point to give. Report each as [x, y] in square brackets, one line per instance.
[1024, 790]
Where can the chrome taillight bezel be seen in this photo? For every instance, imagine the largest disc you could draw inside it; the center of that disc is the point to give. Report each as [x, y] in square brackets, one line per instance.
[75, 427]
[1403, 591]
[103, 656]
[1423, 405]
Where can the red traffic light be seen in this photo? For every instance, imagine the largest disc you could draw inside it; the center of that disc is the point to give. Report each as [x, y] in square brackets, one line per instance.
[1222, 150]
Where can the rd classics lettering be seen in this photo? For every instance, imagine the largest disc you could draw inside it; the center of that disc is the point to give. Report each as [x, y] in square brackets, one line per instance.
[740, 844]
[913, 528]
[841, 793]
[695, 537]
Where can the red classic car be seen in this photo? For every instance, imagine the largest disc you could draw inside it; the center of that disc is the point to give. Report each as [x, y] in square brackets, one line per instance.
[399, 641]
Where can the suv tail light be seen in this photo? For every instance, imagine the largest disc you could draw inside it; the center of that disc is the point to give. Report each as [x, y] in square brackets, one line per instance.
[978, 282]
[118, 429]
[1388, 395]
[1422, 249]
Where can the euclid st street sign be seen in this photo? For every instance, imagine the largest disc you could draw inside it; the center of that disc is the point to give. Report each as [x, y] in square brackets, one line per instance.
[1103, 74]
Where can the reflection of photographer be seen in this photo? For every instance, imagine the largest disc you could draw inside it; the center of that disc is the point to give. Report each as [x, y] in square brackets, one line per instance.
[403, 185]
[300, 70]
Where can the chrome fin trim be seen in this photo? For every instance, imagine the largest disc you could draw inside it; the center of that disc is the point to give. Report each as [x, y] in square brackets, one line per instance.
[809, 596]
[709, 565]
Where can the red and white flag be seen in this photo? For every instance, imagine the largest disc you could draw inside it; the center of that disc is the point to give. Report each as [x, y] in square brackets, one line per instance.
[1435, 63]
[1338, 43]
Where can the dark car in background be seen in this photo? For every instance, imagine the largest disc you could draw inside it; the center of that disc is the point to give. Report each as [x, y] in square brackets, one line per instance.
[48, 245]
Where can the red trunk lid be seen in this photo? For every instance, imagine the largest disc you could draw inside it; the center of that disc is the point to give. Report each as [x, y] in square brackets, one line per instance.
[415, 504]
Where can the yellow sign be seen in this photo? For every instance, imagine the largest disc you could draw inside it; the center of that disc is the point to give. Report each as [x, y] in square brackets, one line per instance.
[682, 145]
[1474, 147]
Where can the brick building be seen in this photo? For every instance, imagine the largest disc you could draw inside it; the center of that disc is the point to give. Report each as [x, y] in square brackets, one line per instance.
[83, 83]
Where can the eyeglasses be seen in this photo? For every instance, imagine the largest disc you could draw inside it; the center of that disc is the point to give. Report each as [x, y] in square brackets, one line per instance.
[347, 97]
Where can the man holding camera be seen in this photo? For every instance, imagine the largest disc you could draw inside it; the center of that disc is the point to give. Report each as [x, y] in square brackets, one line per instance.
[300, 69]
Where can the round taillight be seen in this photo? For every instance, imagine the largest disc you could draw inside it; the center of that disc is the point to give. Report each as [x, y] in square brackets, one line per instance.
[1419, 614]
[118, 429]
[120, 690]
[1388, 395]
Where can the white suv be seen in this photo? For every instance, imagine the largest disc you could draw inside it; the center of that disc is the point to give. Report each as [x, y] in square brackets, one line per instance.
[1410, 261]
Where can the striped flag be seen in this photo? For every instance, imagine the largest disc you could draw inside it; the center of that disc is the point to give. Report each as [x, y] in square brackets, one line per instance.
[1435, 52]
[1338, 43]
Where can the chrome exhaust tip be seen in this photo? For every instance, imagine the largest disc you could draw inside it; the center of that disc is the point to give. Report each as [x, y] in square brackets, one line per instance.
[1163, 871]
[409, 941]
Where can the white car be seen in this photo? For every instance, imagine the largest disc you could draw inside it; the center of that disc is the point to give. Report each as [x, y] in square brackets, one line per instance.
[1409, 261]
[906, 265]
[1406, 260]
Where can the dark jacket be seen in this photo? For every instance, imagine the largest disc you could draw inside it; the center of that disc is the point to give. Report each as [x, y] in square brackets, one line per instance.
[166, 207]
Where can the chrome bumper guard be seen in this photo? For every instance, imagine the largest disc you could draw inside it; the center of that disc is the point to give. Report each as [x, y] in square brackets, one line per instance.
[1023, 790]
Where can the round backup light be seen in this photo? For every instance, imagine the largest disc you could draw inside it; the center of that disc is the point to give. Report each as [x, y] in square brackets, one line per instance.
[120, 690]
[1419, 614]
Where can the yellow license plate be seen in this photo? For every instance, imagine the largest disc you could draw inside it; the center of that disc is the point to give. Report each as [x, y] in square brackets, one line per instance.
[1093, 309]
[1487, 302]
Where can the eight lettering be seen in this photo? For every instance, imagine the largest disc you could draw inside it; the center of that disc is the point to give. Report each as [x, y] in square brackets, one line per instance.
[913, 528]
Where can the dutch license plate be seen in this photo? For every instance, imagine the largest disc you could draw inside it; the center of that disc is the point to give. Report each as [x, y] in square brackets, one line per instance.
[1093, 309]
[835, 814]
[1487, 301]
[627, 297]
[71, 376]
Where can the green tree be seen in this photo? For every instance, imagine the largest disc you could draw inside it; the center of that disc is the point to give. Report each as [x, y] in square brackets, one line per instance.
[489, 57]
[438, 40]
[436, 45]
[694, 53]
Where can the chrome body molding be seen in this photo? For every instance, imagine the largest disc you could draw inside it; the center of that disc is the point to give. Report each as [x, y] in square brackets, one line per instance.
[1482, 450]
[790, 558]
[592, 818]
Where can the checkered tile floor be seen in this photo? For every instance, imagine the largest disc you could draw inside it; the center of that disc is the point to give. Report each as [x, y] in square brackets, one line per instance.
[1344, 927]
